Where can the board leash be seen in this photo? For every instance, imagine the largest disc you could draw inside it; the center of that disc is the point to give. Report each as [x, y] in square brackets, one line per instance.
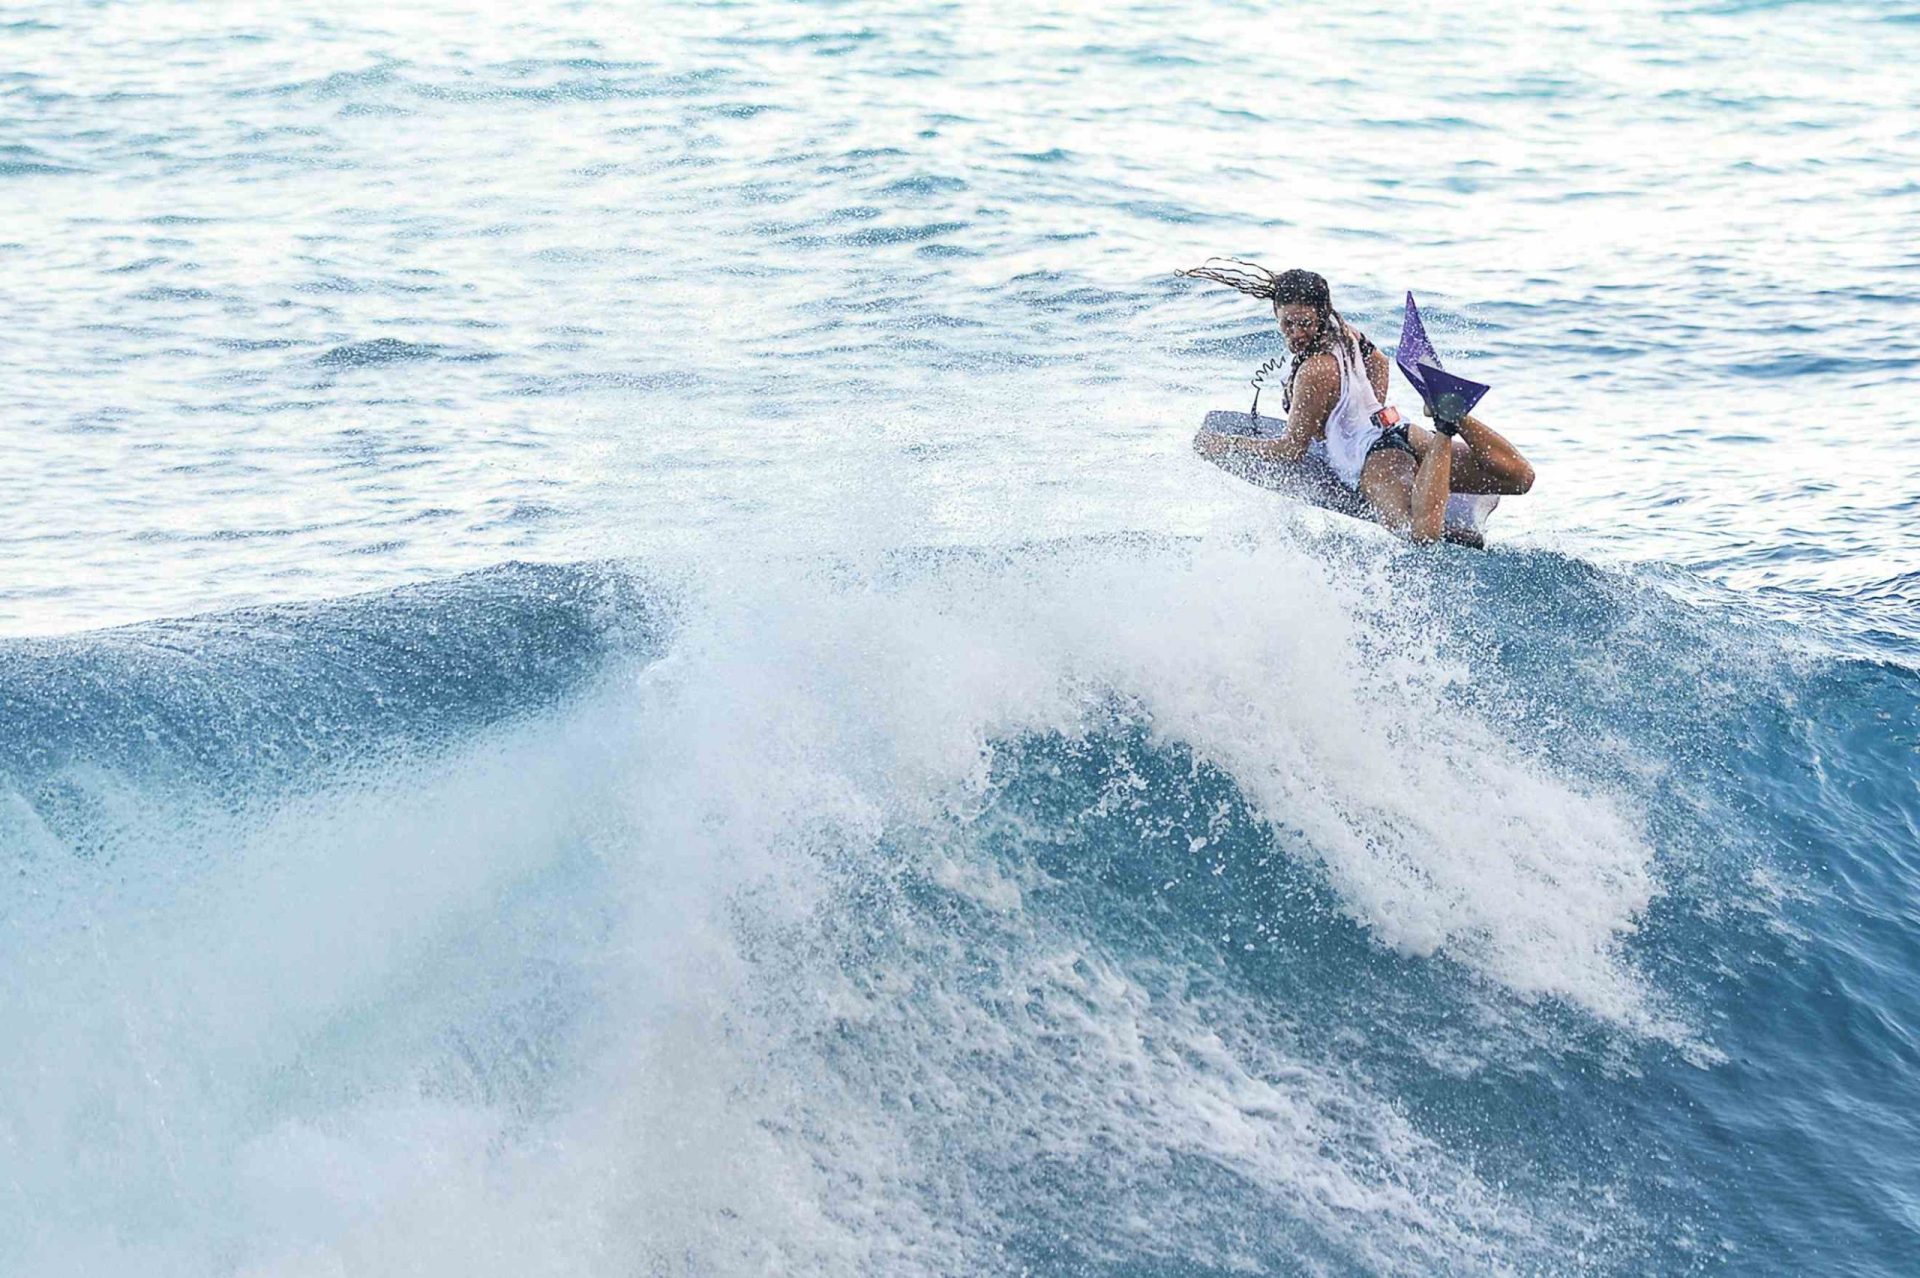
[1259, 380]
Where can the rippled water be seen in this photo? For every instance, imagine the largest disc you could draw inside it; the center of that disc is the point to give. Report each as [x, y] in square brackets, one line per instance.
[302, 304]
[902, 812]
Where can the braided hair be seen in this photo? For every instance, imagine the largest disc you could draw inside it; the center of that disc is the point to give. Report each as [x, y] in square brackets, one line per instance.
[1289, 288]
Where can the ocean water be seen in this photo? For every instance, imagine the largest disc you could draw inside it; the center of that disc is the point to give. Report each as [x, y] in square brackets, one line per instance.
[613, 658]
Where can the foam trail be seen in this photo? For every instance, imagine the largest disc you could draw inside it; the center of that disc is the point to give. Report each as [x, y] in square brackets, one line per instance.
[1303, 682]
[816, 746]
[763, 953]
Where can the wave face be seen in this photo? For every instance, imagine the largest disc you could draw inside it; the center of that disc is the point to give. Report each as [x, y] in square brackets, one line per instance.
[1099, 907]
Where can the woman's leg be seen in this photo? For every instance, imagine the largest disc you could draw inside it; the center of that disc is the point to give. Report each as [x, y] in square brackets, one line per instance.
[1493, 465]
[1409, 498]
[1483, 460]
[1386, 483]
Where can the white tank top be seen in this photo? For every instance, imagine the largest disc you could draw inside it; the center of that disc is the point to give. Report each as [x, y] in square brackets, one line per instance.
[1351, 432]
[1350, 428]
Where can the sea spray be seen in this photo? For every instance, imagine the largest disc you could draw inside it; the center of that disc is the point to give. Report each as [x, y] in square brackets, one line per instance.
[1065, 907]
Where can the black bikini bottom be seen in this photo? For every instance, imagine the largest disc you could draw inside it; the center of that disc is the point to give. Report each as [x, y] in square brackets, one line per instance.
[1394, 437]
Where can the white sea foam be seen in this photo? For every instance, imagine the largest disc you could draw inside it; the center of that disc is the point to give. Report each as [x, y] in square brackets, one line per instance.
[598, 992]
[1300, 676]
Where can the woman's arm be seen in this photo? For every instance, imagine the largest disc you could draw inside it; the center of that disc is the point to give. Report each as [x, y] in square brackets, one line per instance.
[1316, 389]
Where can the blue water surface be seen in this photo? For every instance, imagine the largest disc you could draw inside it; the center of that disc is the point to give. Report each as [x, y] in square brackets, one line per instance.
[613, 657]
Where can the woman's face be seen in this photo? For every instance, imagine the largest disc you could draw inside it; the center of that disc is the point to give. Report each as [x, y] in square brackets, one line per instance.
[1299, 324]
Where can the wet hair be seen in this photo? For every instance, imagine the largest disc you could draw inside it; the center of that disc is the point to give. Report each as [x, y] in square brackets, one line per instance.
[1303, 288]
[1294, 287]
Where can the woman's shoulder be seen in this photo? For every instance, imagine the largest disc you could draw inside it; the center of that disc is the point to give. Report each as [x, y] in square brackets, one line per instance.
[1319, 370]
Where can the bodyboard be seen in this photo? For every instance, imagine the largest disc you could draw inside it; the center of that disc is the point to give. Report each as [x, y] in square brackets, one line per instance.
[1309, 480]
[1312, 481]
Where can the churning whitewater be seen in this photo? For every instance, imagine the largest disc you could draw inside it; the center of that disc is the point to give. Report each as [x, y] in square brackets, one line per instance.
[1035, 908]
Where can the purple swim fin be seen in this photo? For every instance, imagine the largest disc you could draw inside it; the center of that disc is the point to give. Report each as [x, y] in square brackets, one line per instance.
[1449, 397]
[1414, 349]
